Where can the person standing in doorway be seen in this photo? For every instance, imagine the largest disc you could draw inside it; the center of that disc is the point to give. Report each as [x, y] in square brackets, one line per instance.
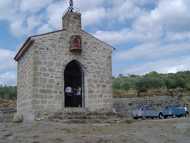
[68, 92]
[78, 91]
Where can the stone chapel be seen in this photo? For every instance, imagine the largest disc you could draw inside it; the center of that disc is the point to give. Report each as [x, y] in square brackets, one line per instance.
[68, 69]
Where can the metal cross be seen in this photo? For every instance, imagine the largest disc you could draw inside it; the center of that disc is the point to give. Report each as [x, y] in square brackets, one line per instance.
[71, 5]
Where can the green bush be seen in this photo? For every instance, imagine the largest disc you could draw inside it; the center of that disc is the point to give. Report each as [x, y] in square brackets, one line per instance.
[152, 80]
[8, 92]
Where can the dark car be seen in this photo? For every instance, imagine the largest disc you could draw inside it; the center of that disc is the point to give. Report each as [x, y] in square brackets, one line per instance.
[173, 111]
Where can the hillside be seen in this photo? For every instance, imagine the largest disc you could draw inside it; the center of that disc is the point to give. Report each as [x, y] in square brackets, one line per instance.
[152, 83]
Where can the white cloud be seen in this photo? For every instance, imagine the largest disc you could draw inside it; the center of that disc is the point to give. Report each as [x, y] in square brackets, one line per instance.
[17, 28]
[33, 22]
[164, 58]
[167, 58]
[55, 12]
[85, 5]
[33, 5]
[8, 78]
[144, 3]
[171, 65]
[127, 35]
[94, 12]
[7, 67]
[164, 34]
[44, 29]
[173, 36]
[94, 16]
[6, 60]
[26, 16]
[154, 51]
[167, 14]
[124, 10]
[169, 18]
[171, 15]
[112, 37]
[5, 10]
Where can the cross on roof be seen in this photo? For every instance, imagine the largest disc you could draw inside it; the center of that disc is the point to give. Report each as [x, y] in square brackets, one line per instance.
[71, 5]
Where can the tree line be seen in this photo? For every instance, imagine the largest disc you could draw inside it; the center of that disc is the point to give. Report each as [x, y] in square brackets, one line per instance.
[140, 83]
[8, 92]
[152, 80]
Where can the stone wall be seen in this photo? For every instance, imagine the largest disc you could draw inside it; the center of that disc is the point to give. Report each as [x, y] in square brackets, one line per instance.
[52, 54]
[7, 114]
[25, 84]
[127, 105]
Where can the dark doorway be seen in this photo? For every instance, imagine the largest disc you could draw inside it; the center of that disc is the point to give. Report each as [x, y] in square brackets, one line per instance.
[73, 77]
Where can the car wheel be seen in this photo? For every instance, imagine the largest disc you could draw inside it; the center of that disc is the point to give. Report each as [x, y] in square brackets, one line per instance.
[136, 118]
[161, 116]
[143, 117]
[173, 116]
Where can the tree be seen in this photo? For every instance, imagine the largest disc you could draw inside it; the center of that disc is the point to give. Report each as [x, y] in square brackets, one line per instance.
[8, 92]
[125, 85]
[116, 84]
[153, 74]
[153, 80]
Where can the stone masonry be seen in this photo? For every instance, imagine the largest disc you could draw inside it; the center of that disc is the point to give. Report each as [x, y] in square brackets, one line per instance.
[41, 64]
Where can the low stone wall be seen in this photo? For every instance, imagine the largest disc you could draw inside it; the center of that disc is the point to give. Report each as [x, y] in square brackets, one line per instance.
[121, 105]
[126, 105]
[6, 114]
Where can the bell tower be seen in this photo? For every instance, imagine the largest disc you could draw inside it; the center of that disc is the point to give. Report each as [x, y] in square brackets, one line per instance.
[72, 19]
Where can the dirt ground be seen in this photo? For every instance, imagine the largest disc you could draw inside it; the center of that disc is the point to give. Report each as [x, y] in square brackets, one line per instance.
[141, 131]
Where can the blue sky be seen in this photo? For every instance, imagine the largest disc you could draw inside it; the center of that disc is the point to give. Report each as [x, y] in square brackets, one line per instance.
[149, 35]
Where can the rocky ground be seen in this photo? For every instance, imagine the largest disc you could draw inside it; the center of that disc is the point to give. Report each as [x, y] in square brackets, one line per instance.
[4, 103]
[130, 131]
[98, 128]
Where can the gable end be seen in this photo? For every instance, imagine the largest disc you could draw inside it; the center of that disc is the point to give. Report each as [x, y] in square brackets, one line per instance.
[24, 48]
[29, 42]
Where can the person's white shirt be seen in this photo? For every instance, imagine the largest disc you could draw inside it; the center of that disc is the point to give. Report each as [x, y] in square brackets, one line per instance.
[68, 89]
[185, 109]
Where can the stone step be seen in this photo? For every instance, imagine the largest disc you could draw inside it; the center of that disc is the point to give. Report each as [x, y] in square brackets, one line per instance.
[83, 117]
[6, 114]
[74, 110]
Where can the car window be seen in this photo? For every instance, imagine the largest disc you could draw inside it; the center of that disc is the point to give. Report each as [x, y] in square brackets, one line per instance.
[149, 108]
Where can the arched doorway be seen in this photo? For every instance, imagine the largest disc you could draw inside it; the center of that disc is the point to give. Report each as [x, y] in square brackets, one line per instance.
[73, 78]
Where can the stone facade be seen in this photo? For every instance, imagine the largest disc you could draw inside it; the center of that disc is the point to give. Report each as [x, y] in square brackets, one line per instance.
[41, 64]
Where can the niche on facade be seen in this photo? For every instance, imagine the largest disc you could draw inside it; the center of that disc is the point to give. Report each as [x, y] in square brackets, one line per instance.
[75, 43]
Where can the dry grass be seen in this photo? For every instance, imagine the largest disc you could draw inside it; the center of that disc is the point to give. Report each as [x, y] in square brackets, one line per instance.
[122, 93]
[7, 103]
